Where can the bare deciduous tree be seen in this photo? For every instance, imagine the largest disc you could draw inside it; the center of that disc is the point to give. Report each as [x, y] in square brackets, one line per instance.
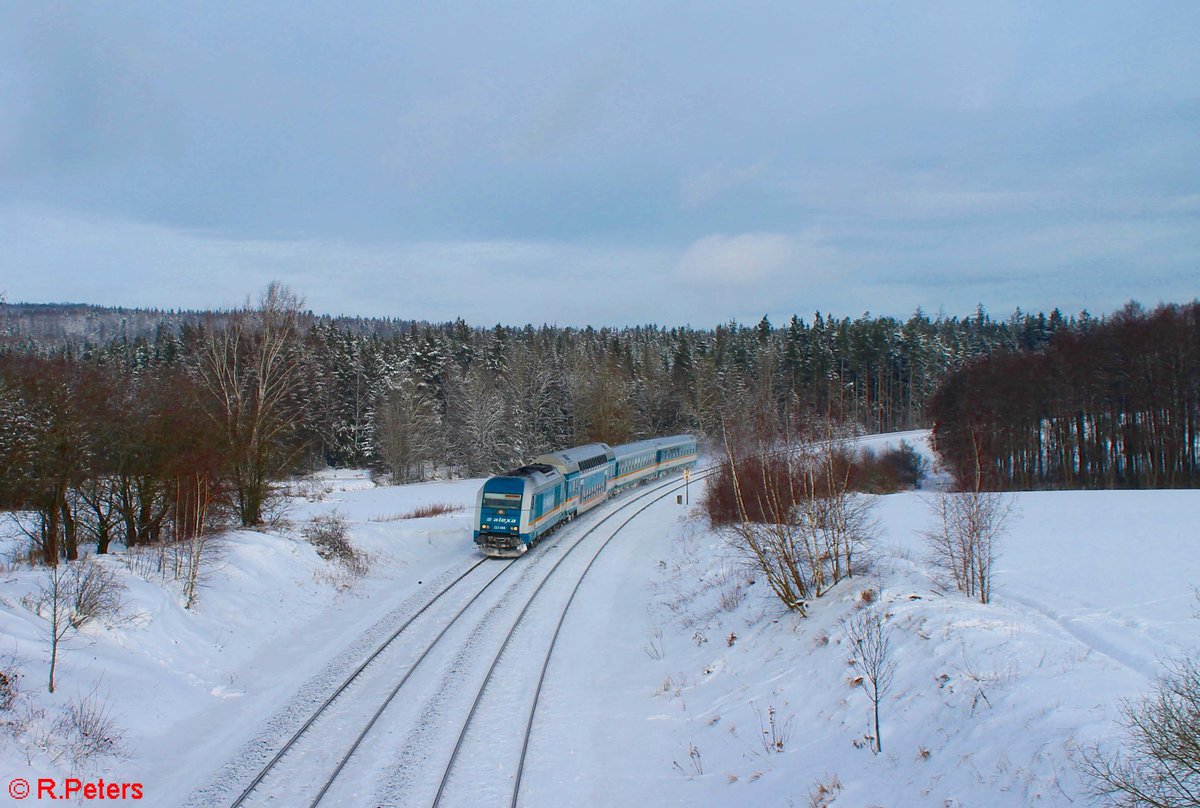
[194, 537]
[98, 511]
[1160, 766]
[798, 521]
[251, 370]
[53, 602]
[963, 541]
[483, 436]
[410, 427]
[870, 646]
[93, 592]
[765, 535]
[834, 520]
[72, 594]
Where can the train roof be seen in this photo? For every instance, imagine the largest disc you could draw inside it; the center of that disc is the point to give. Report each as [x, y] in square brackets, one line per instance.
[626, 449]
[578, 458]
[537, 472]
[675, 440]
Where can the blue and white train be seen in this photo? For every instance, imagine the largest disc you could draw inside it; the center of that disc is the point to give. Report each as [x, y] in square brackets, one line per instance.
[515, 509]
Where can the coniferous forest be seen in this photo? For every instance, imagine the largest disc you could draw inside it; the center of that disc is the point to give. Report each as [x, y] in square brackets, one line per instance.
[138, 426]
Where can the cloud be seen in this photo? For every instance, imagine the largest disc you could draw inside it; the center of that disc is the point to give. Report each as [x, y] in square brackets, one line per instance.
[591, 160]
[698, 189]
[56, 256]
[734, 260]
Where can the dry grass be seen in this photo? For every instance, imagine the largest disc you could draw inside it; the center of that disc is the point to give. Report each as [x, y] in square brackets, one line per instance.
[421, 512]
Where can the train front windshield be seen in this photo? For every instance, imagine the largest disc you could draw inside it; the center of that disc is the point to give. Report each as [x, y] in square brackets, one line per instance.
[492, 500]
[500, 511]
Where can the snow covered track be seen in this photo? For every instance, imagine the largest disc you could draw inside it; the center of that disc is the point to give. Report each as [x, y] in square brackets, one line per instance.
[494, 767]
[359, 743]
[379, 666]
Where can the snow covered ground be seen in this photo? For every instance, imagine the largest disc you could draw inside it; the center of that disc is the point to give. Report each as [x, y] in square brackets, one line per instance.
[677, 680]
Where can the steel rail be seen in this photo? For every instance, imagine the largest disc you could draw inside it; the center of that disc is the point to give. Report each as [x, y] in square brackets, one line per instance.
[558, 628]
[291, 742]
[294, 739]
[386, 702]
[673, 486]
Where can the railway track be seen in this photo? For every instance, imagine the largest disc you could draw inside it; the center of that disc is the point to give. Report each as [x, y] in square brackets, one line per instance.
[364, 683]
[492, 771]
[328, 758]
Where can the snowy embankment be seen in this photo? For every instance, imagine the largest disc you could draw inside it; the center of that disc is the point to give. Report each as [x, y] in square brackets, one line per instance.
[677, 681]
[273, 624]
[737, 701]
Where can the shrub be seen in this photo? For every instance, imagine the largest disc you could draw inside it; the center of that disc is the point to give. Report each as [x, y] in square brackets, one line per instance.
[898, 469]
[1160, 765]
[795, 518]
[909, 466]
[762, 482]
[10, 676]
[329, 534]
[94, 593]
[964, 540]
[772, 486]
[85, 729]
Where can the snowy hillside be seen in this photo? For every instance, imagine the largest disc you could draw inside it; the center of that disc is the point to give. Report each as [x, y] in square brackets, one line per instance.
[677, 680]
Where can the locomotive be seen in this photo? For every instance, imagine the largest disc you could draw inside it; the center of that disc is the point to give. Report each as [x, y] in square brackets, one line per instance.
[515, 509]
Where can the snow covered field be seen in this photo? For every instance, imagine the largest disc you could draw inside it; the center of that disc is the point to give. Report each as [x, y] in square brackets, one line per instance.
[677, 681]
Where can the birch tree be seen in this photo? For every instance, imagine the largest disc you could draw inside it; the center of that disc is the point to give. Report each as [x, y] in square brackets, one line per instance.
[870, 645]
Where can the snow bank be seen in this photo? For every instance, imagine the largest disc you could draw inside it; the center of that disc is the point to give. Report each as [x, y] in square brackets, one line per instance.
[187, 688]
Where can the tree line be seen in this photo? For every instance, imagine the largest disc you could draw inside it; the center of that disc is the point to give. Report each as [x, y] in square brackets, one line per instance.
[146, 436]
[100, 448]
[1107, 404]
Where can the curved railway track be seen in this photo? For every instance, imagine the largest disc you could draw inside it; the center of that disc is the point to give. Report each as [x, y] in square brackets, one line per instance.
[355, 679]
[516, 775]
[297, 773]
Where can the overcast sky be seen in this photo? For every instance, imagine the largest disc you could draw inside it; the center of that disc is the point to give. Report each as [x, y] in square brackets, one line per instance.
[603, 163]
